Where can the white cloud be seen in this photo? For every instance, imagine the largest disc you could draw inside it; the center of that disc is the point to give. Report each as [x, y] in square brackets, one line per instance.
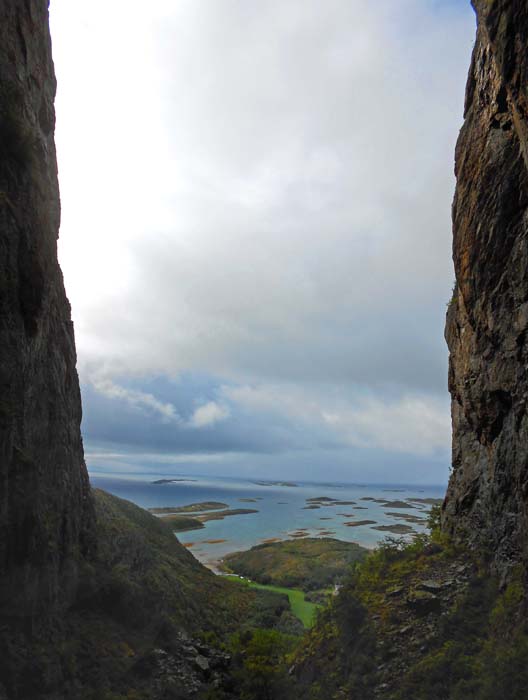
[411, 424]
[418, 425]
[137, 399]
[203, 416]
[209, 414]
[240, 181]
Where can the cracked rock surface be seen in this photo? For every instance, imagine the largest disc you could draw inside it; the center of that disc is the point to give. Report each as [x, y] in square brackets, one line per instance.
[487, 319]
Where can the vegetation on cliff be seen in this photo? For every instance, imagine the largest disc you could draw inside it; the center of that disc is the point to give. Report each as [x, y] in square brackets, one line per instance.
[415, 621]
[146, 618]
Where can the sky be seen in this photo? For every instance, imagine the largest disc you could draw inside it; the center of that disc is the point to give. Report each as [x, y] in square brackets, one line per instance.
[256, 236]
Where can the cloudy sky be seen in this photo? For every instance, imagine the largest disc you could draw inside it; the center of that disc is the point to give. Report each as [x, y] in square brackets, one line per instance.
[256, 231]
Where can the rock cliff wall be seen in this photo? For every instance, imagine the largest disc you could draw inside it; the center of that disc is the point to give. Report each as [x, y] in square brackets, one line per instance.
[46, 512]
[97, 597]
[487, 319]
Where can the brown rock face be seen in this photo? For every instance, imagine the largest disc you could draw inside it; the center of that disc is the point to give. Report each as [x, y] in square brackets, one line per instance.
[46, 513]
[487, 320]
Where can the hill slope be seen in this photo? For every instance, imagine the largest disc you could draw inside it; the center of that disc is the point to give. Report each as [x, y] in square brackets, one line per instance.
[142, 607]
[310, 563]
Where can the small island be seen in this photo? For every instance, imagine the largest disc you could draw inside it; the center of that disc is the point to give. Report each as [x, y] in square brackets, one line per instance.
[396, 529]
[170, 481]
[220, 515]
[359, 523]
[428, 501]
[397, 504]
[194, 515]
[326, 501]
[321, 499]
[307, 563]
[191, 508]
[182, 523]
[408, 518]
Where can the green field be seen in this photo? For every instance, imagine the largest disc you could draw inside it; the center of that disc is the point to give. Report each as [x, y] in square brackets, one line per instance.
[301, 608]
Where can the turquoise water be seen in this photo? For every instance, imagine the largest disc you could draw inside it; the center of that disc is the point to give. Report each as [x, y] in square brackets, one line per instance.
[280, 508]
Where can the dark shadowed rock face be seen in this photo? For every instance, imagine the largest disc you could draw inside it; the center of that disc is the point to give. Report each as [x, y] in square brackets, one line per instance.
[76, 619]
[487, 320]
[46, 513]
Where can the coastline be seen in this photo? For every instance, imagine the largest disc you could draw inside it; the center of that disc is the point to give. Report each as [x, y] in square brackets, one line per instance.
[338, 511]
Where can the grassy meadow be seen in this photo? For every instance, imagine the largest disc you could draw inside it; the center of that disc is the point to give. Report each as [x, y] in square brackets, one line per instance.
[301, 608]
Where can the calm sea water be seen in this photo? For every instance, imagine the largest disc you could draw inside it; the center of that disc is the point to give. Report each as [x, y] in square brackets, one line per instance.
[280, 508]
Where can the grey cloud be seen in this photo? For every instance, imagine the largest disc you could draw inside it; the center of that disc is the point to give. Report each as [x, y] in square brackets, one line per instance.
[309, 196]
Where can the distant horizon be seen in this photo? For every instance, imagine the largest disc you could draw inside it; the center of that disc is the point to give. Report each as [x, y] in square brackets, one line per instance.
[189, 476]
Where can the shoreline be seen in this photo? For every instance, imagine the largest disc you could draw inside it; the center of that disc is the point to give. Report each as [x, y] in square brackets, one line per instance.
[214, 565]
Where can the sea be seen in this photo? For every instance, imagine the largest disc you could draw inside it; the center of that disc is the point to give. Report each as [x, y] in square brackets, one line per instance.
[282, 509]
